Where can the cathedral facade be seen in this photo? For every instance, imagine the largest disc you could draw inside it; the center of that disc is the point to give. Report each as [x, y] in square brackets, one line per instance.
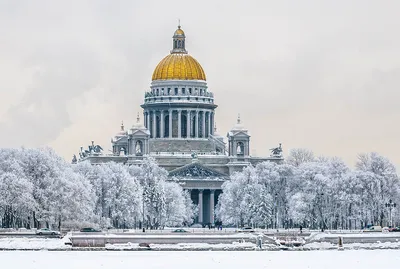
[178, 131]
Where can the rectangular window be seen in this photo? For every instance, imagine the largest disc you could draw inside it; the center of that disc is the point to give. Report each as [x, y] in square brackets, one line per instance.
[169, 91]
[176, 91]
[183, 91]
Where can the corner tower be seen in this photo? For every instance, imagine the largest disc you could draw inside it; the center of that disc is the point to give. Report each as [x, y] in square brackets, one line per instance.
[179, 109]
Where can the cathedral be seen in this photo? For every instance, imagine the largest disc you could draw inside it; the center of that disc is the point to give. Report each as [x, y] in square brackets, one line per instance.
[178, 131]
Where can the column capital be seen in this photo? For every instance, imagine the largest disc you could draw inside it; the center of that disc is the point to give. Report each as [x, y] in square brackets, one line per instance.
[201, 190]
[212, 190]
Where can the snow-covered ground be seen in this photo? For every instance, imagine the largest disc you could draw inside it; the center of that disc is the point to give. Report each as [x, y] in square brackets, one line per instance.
[59, 244]
[364, 259]
[32, 243]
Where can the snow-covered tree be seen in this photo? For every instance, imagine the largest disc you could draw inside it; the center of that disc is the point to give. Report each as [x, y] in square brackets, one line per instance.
[300, 155]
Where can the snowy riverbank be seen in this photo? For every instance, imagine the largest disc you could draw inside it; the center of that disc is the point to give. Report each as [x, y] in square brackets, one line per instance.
[59, 245]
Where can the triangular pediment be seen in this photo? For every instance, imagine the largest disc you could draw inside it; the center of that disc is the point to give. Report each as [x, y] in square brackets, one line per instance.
[239, 134]
[140, 133]
[123, 139]
[195, 171]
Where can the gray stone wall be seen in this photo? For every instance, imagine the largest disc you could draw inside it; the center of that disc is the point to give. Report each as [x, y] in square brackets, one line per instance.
[181, 145]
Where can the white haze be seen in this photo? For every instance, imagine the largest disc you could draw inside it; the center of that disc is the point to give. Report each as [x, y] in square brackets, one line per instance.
[316, 74]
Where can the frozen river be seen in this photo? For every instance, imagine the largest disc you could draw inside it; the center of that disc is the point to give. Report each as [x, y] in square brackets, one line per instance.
[354, 259]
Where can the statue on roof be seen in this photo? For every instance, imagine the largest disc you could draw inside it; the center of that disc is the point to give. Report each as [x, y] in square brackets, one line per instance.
[277, 152]
[74, 160]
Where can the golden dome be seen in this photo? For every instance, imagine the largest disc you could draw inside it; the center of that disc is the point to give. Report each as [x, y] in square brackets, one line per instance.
[179, 31]
[179, 66]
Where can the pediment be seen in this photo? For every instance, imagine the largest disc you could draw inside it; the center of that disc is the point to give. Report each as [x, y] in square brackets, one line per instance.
[140, 133]
[195, 171]
[240, 134]
[123, 139]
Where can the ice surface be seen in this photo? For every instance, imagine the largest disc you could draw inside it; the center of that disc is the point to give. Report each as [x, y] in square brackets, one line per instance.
[365, 259]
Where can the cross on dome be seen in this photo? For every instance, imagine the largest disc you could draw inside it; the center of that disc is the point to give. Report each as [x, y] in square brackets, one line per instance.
[122, 126]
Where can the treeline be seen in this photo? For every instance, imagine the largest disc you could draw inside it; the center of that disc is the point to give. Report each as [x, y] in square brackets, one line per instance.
[313, 192]
[39, 189]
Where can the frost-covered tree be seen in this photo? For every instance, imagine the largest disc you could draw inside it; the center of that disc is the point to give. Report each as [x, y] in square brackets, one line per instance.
[16, 199]
[300, 155]
[40, 187]
[178, 206]
[164, 203]
[383, 183]
[230, 207]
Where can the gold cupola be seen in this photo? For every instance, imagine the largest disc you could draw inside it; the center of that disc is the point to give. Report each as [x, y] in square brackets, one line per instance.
[179, 65]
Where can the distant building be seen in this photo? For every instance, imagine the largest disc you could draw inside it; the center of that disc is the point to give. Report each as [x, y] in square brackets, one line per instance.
[179, 132]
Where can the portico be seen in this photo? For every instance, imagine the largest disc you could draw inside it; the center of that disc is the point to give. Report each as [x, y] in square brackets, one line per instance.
[206, 199]
[204, 185]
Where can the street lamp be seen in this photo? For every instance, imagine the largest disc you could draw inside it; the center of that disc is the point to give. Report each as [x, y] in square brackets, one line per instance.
[390, 205]
[276, 212]
[322, 214]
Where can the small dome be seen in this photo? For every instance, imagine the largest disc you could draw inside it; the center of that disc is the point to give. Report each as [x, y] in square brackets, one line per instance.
[138, 125]
[179, 31]
[122, 132]
[239, 126]
[179, 66]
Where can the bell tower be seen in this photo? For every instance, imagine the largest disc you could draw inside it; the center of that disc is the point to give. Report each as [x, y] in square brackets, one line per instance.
[239, 147]
[179, 41]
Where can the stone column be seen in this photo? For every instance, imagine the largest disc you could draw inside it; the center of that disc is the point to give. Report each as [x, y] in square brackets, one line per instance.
[212, 123]
[154, 124]
[179, 123]
[162, 124]
[200, 206]
[212, 195]
[196, 129]
[209, 125]
[170, 123]
[148, 120]
[203, 127]
[188, 124]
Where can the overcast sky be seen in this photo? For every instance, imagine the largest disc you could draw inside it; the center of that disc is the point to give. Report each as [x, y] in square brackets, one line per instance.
[318, 74]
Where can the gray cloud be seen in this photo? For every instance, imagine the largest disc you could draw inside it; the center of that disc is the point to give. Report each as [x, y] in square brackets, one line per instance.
[316, 74]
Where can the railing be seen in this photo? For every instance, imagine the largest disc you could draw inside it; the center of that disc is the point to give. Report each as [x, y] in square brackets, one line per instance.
[186, 153]
[179, 99]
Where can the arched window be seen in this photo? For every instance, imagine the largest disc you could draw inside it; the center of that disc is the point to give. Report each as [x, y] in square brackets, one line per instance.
[240, 148]
[166, 126]
[139, 148]
[122, 151]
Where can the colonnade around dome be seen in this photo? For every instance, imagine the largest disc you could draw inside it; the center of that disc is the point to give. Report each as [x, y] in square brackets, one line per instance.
[179, 123]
